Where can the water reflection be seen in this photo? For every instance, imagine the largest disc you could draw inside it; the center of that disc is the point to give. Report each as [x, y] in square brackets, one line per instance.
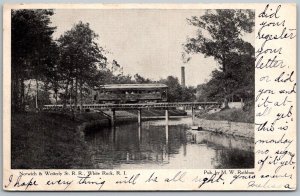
[155, 145]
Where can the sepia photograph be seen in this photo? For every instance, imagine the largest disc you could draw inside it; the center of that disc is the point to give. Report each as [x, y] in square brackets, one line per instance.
[149, 97]
[132, 88]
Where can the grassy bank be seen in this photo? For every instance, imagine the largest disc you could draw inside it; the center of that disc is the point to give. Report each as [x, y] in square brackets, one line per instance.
[234, 115]
[47, 140]
[53, 140]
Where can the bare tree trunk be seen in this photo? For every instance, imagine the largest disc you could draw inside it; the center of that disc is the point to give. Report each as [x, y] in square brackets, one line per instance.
[16, 87]
[71, 94]
[28, 89]
[66, 94]
[14, 80]
[36, 95]
[19, 105]
[56, 91]
[22, 94]
[81, 97]
[56, 98]
[226, 106]
[16, 94]
[76, 92]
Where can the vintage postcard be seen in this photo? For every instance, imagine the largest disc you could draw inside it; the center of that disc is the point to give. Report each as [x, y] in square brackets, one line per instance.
[151, 97]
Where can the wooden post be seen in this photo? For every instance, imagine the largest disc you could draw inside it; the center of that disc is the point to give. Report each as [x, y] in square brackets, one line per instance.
[167, 117]
[113, 118]
[140, 117]
[167, 125]
[140, 133]
[167, 133]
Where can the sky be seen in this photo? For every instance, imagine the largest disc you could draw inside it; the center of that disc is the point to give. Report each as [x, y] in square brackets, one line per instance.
[144, 41]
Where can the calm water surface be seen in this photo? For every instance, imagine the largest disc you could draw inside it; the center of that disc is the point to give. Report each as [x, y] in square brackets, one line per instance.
[155, 145]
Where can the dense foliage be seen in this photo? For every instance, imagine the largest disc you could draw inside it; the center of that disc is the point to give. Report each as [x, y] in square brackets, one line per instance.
[64, 71]
[178, 93]
[80, 59]
[69, 67]
[219, 36]
[31, 43]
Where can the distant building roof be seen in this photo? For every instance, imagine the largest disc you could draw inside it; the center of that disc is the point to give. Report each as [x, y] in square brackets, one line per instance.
[133, 86]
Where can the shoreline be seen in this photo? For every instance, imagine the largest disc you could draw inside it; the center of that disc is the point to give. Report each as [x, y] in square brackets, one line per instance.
[38, 136]
[240, 129]
[229, 128]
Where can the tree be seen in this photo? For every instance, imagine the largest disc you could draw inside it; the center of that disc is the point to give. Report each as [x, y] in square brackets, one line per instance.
[80, 58]
[115, 66]
[174, 88]
[188, 94]
[31, 37]
[220, 36]
[141, 80]
[53, 74]
[177, 93]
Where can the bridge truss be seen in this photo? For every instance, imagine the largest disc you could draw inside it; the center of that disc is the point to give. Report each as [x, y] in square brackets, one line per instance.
[164, 105]
[138, 106]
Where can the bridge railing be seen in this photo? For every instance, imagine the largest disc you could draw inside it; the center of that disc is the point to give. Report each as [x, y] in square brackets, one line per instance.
[135, 106]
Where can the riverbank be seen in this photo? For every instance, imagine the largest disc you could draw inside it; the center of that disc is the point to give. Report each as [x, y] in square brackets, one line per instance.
[235, 122]
[53, 140]
[239, 129]
[56, 140]
[47, 141]
[232, 115]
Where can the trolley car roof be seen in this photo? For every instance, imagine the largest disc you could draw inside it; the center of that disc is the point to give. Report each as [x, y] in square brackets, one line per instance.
[132, 86]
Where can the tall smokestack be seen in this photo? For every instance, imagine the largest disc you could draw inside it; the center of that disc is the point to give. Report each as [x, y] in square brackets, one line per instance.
[182, 77]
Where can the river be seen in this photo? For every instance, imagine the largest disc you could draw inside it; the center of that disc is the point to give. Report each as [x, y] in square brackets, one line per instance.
[157, 146]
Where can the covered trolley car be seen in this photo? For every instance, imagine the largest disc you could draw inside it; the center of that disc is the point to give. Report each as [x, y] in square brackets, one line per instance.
[131, 93]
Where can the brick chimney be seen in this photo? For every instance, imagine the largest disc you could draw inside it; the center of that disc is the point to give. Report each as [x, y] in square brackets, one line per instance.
[182, 77]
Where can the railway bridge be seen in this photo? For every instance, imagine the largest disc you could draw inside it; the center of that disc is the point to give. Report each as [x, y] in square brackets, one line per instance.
[139, 107]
